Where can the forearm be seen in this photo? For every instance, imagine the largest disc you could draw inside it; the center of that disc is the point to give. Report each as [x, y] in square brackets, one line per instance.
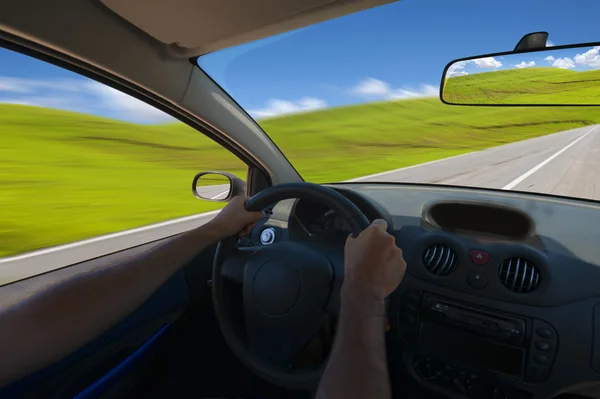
[64, 317]
[357, 367]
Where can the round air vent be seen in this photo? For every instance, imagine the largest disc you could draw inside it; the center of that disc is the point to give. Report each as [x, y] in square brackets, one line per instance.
[440, 259]
[519, 275]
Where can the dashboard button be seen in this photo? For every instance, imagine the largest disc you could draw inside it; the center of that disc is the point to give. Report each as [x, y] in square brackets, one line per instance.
[543, 346]
[541, 359]
[544, 332]
[479, 257]
[477, 279]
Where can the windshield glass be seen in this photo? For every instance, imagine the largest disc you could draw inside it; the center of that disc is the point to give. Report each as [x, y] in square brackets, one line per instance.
[357, 97]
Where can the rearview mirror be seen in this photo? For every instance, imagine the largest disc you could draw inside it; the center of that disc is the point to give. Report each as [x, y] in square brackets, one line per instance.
[564, 75]
[217, 186]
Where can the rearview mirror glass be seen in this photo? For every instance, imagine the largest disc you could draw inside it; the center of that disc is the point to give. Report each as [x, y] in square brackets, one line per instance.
[212, 186]
[565, 75]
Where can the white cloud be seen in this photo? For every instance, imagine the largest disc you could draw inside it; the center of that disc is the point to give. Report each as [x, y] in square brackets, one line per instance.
[372, 87]
[550, 43]
[79, 95]
[524, 64]
[456, 69]
[487, 62]
[276, 107]
[590, 58]
[549, 58]
[425, 91]
[375, 88]
[47, 102]
[125, 104]
[20, 85]
[563, 63]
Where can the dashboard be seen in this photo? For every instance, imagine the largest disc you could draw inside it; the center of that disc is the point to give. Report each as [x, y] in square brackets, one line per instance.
[316, 220]
[501, 298]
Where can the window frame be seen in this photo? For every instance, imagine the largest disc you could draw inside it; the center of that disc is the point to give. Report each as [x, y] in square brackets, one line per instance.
[257, 176]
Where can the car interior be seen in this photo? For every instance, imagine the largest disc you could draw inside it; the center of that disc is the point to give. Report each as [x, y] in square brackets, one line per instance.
[500, 297]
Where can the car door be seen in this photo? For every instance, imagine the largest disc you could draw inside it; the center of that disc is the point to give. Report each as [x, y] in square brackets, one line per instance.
[91, 176]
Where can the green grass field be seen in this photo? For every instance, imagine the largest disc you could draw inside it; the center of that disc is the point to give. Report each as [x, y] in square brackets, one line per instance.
[525, 86]
[67, 176]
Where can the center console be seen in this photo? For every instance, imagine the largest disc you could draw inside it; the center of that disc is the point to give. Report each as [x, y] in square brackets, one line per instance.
[474, 352]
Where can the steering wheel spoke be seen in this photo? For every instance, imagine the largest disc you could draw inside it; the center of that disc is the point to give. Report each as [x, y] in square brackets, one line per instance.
[280, 341]
[235, 264]
[286, 287]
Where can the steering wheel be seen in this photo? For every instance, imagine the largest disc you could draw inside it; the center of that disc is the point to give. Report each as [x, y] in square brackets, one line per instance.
[287, 290]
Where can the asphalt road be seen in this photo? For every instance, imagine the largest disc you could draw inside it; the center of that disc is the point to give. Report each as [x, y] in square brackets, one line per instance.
[565, 163]
[214, 192]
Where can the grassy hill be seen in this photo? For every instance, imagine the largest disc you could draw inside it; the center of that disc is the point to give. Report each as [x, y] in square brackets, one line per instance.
[67, 176]
[545, 85]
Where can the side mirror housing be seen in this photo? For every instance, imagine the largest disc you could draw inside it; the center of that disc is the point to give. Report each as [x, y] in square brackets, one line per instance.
[217, 186]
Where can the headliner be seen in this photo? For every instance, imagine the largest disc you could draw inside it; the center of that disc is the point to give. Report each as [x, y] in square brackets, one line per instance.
[195, 27]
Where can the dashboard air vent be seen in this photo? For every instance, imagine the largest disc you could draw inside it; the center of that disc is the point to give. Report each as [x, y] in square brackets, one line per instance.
[519, 275]
[440, 259]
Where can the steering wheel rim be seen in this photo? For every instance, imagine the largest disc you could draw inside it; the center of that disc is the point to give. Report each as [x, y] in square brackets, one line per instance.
[314, 192]
[226, 250]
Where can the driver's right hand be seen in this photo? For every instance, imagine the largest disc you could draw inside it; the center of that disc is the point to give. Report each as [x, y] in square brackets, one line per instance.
[373, 262]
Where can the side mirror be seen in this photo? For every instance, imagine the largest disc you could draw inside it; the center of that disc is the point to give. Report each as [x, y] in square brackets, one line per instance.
[217, 186]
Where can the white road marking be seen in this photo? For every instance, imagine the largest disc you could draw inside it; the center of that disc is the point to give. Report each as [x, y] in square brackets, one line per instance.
[539, 166]
[105, 237]
[218, 195]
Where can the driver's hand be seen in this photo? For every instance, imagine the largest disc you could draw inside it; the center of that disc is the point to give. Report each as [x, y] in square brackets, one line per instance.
[235, 219]
[373, 262]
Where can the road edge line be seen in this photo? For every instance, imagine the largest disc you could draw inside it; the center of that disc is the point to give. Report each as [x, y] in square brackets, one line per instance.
[104, 237]
[539, 166]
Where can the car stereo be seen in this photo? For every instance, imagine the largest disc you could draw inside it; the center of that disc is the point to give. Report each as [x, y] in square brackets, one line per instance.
[485, 339]
[471, 341]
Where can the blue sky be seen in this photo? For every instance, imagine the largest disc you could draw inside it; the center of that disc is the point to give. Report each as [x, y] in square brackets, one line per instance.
[391, 51]
[394, 51]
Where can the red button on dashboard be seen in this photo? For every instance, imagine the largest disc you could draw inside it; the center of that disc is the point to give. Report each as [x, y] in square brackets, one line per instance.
[479, 257]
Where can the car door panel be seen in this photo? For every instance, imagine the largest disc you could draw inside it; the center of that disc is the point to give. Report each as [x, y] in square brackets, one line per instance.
[114, 360]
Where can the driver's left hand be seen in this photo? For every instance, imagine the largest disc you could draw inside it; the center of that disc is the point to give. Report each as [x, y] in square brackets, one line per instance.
[234, 219]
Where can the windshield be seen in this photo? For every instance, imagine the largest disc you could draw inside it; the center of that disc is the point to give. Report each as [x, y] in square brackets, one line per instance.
[356, 98]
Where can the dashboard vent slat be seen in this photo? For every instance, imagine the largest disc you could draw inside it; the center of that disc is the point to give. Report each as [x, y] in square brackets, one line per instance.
[527, 268]
[519, 275]
[440, 259]
[513, 285]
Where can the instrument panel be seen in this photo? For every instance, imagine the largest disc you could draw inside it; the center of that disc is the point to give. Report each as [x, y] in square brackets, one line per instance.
[314, 220]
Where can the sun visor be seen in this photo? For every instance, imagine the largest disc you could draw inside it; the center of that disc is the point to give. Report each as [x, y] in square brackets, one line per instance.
[198, 27]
